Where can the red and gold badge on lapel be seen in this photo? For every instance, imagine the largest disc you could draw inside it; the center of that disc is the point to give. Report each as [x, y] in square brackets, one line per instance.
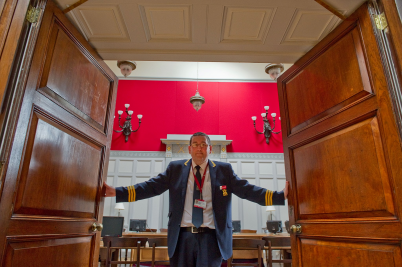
[224, 191]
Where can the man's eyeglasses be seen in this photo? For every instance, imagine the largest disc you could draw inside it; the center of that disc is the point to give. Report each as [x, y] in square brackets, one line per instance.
[202, 145]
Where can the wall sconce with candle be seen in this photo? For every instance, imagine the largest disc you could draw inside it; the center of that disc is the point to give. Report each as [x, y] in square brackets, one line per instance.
[126, 128]
[267, 130]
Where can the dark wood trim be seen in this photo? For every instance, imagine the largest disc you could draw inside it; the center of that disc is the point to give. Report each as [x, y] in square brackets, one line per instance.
[71, 108]
[12, 23]
[331, 9]
[11, 105]
[389, 55]
[68, 9]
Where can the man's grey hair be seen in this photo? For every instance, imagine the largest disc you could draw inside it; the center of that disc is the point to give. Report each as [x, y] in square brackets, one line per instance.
[201, 134]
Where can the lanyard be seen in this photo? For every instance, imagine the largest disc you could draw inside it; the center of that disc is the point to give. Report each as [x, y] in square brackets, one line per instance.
[202, 180]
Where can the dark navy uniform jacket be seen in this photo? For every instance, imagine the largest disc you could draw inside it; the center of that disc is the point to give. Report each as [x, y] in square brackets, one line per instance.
[175, 179]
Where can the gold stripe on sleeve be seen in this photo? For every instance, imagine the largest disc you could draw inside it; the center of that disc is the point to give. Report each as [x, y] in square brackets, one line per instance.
[131, 190]
[268, 198]
[129, 193]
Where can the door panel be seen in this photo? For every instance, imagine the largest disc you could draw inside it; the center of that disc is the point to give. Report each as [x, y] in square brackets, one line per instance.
[52, 189]
[342, 151]
[90, 99]
[321, 182]
[49, 252]
[338, 92]
[62, 164]
[315, 253]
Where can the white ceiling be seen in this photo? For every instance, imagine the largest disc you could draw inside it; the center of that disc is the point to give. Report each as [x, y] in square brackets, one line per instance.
[258, 31]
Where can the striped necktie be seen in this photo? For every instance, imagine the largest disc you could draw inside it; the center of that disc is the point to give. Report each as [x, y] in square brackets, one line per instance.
[197, 212]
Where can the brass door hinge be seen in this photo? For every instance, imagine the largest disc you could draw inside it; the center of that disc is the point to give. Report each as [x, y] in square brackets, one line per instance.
[33, 14]
[381, 21]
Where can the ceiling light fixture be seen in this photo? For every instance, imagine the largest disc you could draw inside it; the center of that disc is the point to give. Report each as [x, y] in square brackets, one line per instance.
[197, 100]
[126, 67]
[274, 70]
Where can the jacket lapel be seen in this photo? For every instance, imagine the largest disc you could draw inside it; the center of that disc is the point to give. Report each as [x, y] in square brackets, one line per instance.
[212, 175]
[184, 179]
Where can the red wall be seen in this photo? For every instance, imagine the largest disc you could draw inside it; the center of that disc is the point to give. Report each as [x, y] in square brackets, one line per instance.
[166, 109]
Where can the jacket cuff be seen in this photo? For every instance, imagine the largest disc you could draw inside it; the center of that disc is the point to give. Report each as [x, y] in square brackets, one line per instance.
[274, 198]
[125, 194]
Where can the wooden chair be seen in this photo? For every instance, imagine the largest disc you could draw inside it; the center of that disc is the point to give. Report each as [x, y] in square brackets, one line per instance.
[247, 244]
[276, 243]
[123, 244]
[248, 231]
[158, 242]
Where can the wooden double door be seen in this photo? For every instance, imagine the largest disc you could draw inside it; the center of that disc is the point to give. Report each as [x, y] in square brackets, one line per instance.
[342, 148]
[51, 200]
[341, 142]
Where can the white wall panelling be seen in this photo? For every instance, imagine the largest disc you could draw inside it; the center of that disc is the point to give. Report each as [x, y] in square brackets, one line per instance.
[127, 168]
[268, 173]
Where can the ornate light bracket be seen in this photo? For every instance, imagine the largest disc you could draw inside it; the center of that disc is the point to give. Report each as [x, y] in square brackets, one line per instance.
[126, 127]
[267, 130]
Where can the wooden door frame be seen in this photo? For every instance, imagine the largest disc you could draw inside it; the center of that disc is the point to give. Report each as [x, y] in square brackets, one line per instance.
[17, 78]
[391, 54]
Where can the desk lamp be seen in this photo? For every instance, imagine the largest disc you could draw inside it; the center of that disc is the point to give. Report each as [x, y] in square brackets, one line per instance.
[270, 209]
[119, 207]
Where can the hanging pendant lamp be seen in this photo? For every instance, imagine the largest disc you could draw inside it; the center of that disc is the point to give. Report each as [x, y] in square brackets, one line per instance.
[197, 100]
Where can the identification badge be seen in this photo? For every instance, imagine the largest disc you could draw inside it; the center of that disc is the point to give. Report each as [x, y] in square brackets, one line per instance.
[199, 203]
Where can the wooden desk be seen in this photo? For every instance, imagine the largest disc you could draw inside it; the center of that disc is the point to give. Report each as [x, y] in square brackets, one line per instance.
[258, 236]
[235, 235]
[145, 234]
[161, 253]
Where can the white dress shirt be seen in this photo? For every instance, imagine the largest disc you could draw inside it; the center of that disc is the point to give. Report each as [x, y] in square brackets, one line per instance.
[208, 216]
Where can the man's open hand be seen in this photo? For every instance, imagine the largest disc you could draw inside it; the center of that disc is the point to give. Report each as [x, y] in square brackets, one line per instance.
[109, 191]
[286, 190]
